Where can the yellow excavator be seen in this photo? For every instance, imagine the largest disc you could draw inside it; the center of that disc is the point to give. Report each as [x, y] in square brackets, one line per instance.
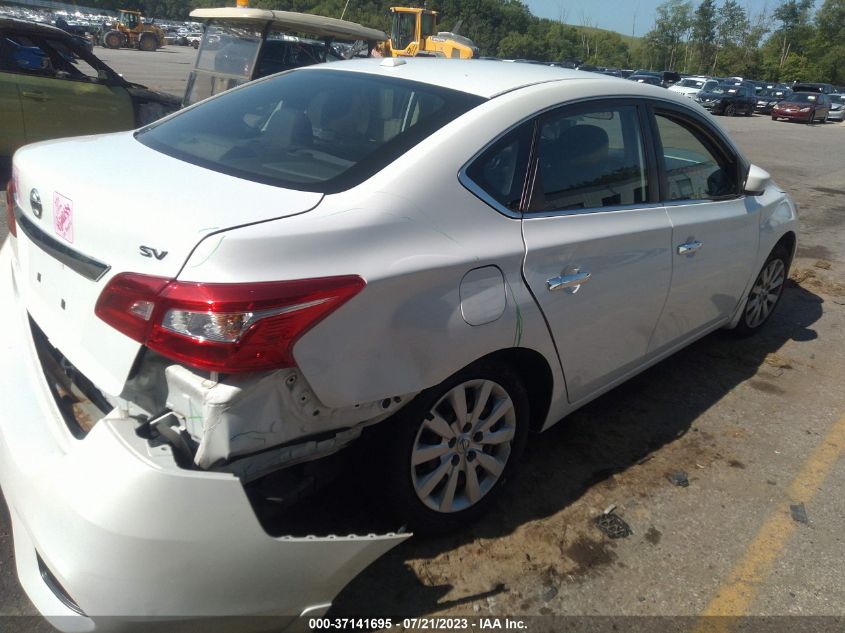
[413, 33]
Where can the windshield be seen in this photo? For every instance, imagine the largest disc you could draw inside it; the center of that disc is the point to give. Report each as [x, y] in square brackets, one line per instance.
[771, 92]
[690, 83]
[804, 97]
[311, 130]
[226, 59]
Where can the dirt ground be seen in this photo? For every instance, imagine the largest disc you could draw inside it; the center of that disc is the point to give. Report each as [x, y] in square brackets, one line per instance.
[755, 424]
[740, 417]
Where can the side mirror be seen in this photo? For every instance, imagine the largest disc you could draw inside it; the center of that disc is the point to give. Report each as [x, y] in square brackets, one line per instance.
[757, 181]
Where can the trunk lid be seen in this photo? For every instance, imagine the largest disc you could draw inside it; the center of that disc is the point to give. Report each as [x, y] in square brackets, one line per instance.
[109, 205]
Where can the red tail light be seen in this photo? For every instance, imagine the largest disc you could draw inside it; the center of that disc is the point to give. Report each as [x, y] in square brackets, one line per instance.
[10, 208]
[222, 327]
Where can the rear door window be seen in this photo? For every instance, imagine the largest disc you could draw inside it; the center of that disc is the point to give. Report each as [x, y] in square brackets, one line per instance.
[590, 158]
[498, 174]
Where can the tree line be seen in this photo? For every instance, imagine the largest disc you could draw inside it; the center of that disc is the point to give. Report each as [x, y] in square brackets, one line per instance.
[791, 42]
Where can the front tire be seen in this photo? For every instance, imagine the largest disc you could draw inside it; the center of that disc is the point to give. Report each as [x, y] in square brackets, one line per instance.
[765, 294]
[730, 110]
[148, 43]
[450, 451]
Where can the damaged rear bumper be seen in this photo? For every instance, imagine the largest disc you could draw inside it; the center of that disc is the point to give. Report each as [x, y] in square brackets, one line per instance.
[106, 527]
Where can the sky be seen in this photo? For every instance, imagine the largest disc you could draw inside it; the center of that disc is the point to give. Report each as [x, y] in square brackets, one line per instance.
[623, 16]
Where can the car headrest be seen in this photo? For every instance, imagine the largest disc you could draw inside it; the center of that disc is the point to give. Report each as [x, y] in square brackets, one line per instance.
[584, 143]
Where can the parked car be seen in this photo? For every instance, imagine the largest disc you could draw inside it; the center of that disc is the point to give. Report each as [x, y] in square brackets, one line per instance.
[192, 39]
[670, 78]
[729, 99]
[652, 80]
[769, 97]
[52, 86]
[350, 249]
[807, 107]
[690, 86]
[837, 107]
[813, 87]
[665, 78]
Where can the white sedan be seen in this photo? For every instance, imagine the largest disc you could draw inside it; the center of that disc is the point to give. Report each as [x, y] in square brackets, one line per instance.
[437, 255]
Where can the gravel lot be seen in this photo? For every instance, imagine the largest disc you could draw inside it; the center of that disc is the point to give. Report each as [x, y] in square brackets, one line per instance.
[754, 423]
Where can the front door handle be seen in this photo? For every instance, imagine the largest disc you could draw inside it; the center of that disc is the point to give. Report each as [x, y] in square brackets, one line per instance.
[35, 95]
[568, 281]
[688, 248]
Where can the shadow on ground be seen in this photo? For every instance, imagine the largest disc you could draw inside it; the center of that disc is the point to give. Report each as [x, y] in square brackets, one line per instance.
[608, 436]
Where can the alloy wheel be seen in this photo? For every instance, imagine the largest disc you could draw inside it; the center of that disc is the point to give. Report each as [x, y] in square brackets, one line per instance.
[765, 293]
[463, 445]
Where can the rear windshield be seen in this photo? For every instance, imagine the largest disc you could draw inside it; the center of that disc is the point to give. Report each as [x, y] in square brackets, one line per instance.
[311, 130]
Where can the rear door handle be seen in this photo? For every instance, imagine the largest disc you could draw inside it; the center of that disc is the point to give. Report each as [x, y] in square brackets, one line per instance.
[35, 95]
[688, 248]
[568, 281]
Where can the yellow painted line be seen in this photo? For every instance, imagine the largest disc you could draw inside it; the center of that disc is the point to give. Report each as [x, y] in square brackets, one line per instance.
[740, 589]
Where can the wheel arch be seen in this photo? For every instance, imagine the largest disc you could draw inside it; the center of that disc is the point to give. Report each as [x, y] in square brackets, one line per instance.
[789, 241]
[535, 374]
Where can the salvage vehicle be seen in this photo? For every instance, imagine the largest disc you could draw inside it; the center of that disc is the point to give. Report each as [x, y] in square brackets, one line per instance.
[51, 86]
[729, 98]
[837, 107]
[806, 107]
[427, 258]
[769, 97]
[240, 44]
[690, 86]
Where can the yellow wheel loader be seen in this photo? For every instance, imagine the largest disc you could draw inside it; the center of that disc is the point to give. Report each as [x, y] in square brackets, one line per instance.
[413, 33]
[130, 31]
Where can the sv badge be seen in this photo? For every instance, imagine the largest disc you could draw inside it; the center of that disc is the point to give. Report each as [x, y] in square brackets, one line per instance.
[146, 251]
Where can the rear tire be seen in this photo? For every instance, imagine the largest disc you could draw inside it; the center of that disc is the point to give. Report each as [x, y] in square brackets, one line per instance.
[112, 39]
[448, 453]
[765, 294]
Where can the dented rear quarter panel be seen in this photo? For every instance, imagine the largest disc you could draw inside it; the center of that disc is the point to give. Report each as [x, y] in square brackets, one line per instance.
[412, 234]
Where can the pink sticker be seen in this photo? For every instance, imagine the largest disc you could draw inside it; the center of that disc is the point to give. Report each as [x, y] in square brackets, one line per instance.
[63, 216]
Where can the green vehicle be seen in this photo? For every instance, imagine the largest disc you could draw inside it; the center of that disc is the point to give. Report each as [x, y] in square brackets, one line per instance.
[52, 87]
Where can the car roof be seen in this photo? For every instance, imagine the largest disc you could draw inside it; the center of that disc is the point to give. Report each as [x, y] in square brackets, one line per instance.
[484, 78]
